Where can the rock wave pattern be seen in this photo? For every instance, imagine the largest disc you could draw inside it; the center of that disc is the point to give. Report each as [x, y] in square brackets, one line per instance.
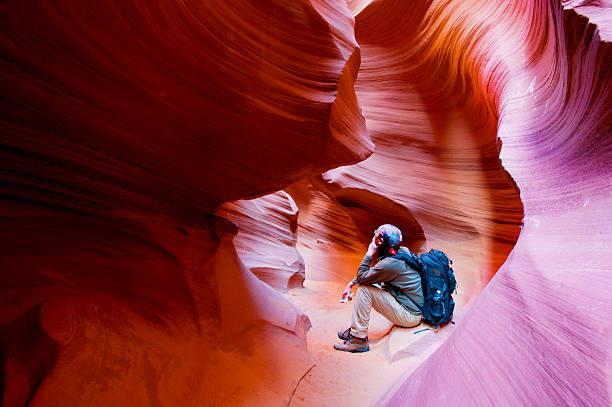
[537, 335]
[267, 238]
[125, 124]
[143, 141]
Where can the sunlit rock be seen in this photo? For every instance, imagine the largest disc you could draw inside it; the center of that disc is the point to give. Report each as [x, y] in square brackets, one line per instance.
[538, 334]
[126, 124]
[267, 238]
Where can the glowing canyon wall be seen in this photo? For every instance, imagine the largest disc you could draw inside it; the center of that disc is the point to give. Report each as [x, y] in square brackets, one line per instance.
[537, 334]
[124, 125]
[145, 236]
[267, 238]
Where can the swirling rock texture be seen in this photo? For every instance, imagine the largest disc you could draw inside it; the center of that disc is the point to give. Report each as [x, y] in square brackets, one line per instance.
[537, 335]
[267, 238]
[329, 239]
[124, 125]
[599, 12]
[436, 171]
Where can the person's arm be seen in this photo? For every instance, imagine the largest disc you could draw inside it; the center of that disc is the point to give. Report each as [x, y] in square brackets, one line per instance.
[371, 275]
[366, 261]
[365, 264]
[346, 294]
[380, 273]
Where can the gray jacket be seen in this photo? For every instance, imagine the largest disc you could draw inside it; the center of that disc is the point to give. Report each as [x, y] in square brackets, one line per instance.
[402, 281]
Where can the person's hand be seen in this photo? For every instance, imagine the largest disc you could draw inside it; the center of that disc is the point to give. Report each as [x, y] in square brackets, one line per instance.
[346, 294]
[373, 246]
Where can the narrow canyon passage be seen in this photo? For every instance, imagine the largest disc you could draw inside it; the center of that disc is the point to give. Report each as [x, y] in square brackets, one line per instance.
[186, 187]
[307, 245]
[331, 238]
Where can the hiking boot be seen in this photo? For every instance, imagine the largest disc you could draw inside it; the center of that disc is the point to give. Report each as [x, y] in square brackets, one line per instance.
[353, 344]
[346, 334]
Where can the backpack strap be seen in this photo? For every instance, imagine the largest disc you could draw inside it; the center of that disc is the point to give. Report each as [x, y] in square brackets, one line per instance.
[412, 260]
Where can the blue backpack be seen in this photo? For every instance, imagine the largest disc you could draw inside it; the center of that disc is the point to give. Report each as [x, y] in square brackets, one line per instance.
[438, 282]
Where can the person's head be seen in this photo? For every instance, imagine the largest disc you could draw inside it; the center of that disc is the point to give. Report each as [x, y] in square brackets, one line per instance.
[388, 239]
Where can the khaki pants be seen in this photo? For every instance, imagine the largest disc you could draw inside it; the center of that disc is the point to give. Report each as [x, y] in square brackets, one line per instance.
[369, 297]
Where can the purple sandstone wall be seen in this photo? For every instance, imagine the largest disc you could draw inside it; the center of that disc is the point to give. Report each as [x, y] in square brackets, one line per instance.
[540, 332]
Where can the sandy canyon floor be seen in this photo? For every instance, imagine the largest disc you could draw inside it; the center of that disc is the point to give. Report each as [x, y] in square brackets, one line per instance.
[345, 379]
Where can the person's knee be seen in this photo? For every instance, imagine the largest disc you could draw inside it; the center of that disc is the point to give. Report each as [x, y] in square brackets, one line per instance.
[365, 292]
[412, 321]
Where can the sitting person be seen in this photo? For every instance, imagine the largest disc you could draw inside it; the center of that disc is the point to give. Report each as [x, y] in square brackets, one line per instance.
[400, 294]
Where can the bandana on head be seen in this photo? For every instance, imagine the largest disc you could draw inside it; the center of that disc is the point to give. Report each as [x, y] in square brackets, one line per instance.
[391, 235]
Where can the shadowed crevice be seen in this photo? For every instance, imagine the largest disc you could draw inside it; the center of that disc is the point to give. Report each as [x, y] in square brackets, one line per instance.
[27, 355]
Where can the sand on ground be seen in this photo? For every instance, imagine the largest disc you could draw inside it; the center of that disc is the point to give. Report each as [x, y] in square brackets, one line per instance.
[353, 379]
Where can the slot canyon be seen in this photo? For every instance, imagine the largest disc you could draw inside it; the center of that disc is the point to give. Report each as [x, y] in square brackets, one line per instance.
[187, 186]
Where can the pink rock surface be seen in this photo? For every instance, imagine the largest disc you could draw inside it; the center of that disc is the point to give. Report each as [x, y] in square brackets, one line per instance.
[267, 238]
[127, 123]
[539, 333]
[599, 12]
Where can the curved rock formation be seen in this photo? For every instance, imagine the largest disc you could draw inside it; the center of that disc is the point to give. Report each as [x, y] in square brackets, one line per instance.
[144, 314]
[537, 334]
[159, 108]
[267, 238]
[125, 124]
[373, 210]
[27, 354]
[434, 123]
[598, 12]
[328, 237]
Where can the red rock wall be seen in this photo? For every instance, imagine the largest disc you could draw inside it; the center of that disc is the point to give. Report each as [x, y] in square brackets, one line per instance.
[124, 125]
[161, 107]
[143, 314]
